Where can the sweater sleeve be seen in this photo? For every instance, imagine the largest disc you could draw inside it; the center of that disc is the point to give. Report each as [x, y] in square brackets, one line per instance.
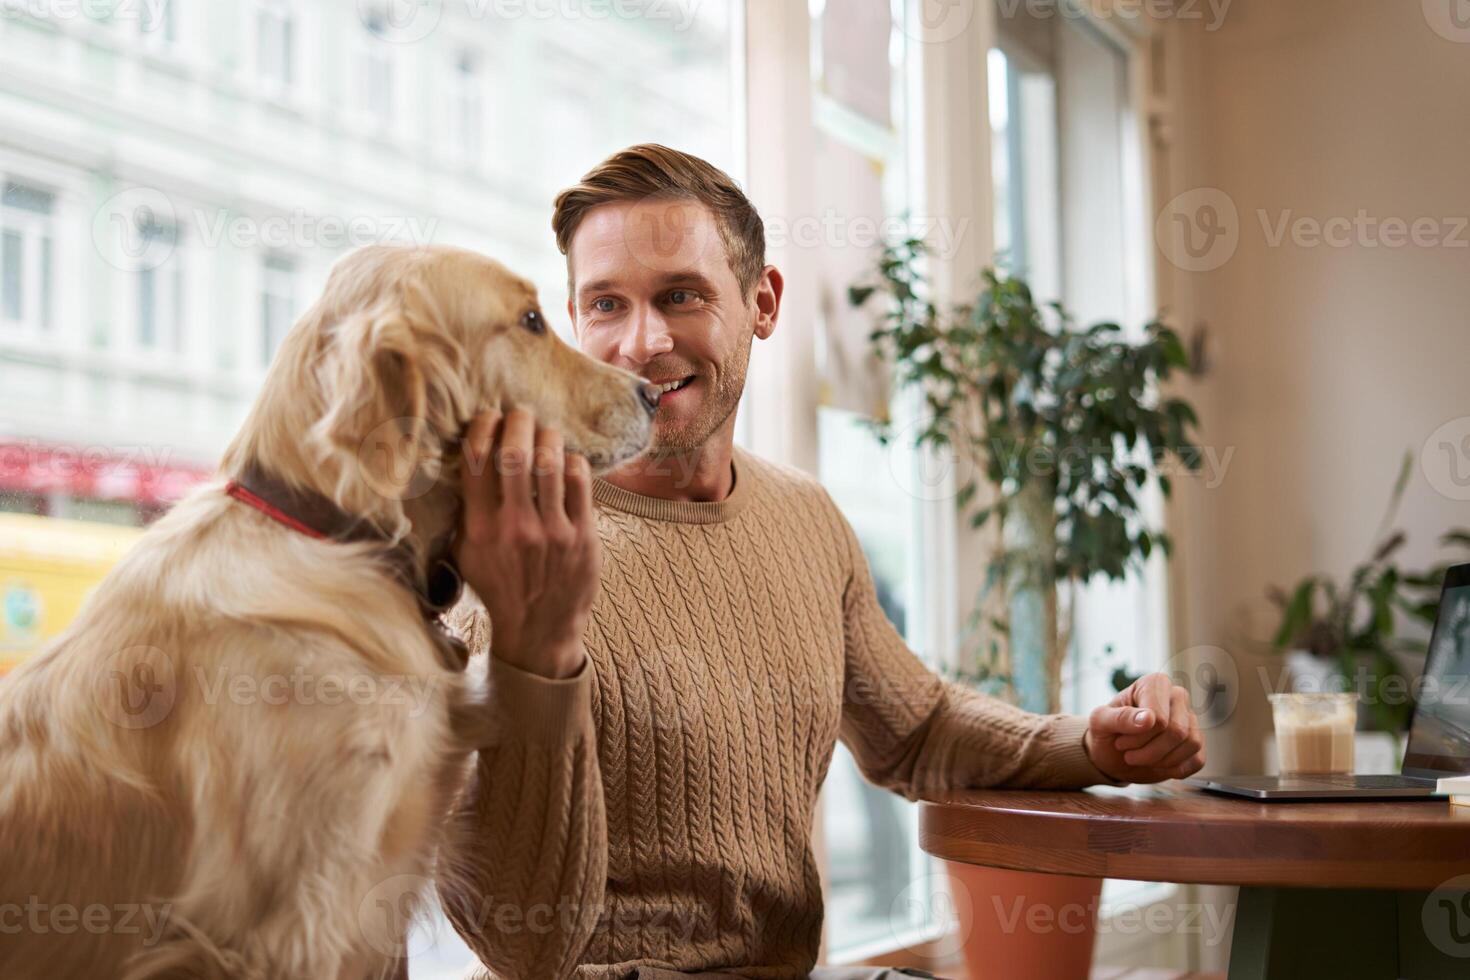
[524, 868]
[921, 736]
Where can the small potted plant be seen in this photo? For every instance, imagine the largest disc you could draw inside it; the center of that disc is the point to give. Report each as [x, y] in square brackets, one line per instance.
[1346, 635]
[1064, 430]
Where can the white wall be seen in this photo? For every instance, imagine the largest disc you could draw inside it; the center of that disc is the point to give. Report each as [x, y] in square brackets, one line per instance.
[1328, 363]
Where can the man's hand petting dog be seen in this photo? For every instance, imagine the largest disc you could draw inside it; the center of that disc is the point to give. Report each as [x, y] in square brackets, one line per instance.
[528, 543]
[1147, 734]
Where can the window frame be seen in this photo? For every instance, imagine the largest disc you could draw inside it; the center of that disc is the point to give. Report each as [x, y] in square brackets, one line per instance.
[287, 24]
[370, 54]
[40, 238]
[173, 275]
[273, 268]
[463, 102]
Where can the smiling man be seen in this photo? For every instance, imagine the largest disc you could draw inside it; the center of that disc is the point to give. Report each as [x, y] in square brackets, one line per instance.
[665, 737]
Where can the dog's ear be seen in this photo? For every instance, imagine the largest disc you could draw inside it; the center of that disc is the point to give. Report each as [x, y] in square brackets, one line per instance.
[394, 392]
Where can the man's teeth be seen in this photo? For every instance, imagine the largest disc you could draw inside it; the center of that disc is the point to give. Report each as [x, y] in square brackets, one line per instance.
[664, 389]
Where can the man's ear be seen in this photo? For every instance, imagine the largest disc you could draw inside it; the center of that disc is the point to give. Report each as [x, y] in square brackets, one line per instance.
[572, 316]
[393, 394]
[768, 289]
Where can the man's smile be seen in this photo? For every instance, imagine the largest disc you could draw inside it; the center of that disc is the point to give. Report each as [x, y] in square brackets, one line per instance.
[669, 388]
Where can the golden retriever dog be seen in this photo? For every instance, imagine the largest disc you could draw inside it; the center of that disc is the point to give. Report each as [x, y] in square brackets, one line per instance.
[236, 760]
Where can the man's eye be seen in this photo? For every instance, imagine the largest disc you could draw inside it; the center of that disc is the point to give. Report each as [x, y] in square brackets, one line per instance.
[604, 305]
[680, 297]
[533, 322]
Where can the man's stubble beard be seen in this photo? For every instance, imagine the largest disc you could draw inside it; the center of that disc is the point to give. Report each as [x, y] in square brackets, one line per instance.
[720, 405]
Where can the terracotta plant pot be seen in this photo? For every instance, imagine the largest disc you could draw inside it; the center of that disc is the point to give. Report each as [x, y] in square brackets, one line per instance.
[1019, 925]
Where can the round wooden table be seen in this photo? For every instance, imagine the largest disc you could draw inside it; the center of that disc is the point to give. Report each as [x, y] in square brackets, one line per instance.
[1369, 890]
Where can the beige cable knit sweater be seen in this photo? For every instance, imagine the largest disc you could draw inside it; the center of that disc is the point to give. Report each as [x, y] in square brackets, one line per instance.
[657, 809]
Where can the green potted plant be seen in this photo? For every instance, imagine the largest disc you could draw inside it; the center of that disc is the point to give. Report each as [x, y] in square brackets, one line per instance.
[1346, 635]
[1063, 430]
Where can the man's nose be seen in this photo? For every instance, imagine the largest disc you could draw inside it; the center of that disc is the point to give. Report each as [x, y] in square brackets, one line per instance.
[647, 337]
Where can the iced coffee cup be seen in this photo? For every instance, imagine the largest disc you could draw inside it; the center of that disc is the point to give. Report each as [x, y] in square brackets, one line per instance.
[1314, 732]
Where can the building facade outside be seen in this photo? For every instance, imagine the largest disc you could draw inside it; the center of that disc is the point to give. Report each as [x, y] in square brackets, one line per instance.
[177, 176]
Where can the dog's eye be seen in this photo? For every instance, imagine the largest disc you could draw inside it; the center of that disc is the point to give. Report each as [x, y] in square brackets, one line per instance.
[532, 321]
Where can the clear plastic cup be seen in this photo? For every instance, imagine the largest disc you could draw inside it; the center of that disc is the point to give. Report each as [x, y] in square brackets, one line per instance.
[1314, 732]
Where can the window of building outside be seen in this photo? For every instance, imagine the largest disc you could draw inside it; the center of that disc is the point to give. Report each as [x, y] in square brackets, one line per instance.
[160, 287]
[278, 304]
[467, 106]
[275, 44]
[375, 79]
[27, 256]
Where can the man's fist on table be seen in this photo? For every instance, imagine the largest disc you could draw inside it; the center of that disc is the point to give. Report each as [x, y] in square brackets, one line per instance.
[1147, 734]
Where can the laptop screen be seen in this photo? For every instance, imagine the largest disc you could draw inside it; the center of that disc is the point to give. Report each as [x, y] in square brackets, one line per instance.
[1439, 741]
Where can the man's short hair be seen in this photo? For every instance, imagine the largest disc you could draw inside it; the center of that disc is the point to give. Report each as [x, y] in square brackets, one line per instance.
[651, 171]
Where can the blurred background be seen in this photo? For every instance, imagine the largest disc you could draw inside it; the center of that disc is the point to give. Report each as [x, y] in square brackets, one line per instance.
[1283, 182]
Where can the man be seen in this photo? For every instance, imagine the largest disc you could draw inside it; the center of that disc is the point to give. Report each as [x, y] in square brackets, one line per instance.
[654, 806]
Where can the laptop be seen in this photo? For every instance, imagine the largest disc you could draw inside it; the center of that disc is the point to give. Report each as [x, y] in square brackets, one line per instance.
[1439, 738]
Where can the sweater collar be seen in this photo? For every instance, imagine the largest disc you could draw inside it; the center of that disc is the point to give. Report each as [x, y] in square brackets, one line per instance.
[682, 511]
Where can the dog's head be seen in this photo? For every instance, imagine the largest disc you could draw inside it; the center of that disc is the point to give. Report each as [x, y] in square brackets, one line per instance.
[372, 389]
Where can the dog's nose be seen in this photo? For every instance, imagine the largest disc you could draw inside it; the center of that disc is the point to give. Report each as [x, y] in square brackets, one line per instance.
[649, 394]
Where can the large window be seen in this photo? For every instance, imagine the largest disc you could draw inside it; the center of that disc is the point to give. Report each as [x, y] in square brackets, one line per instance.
[874, 868]
[1067, 182]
